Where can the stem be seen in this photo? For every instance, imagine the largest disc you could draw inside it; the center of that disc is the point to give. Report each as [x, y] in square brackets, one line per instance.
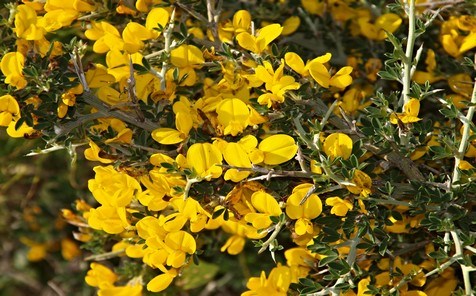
[167, 42]
[188, 186]
[465, 269]
[268, 174]
[104, 256]
[106, 111]
[408, 61]
[465, 137]
[275, 233]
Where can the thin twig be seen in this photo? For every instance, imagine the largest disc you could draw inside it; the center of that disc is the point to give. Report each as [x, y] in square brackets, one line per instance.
[465, 137]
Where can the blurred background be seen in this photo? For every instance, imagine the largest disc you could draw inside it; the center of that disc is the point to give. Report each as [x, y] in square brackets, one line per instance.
[38, 254]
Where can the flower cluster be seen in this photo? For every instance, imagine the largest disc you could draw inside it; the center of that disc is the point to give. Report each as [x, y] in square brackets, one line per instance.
[214, 126]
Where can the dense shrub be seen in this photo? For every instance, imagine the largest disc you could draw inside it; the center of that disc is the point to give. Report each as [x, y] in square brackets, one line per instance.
[257, 147]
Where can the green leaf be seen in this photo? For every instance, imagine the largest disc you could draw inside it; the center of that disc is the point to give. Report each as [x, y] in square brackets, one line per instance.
[327, 260]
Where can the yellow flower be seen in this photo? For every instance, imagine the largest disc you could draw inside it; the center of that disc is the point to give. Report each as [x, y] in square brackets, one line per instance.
[277, 283]
[178, 244]
[352, 100]
[338, 145]
[129, 290]
[388, 22]
[278, 149]
[319, 71]
[362, 287]
[100, 275]
[304, 213]
[443, 285]
[112, 188]
[430, 74]
[68, 99]
[386, 278]
[37, 251]
[26, 24]
[106, 35]
[410, 113]
[276, 83]
[155, 17]
[133, 35]
[118, 63]
[314, 6]
[458, 35]
[363, 184]
[294, 61]
[22, 131]
[169, 136]
[187, 58]
[237, 154]
[97, 76]
[205, 159]
[69, 249]
[145, 5]
[92, 154]
[340, 207]
[233, 116]
[63, 13]
[187, 210]
[241, 21]
[263, 38]
[9, 110]
[267, 207]
[12, 67]
[109, 219]
[290, 25]
[461, 84]
[234, 245]
[162, 281]
[300, 258]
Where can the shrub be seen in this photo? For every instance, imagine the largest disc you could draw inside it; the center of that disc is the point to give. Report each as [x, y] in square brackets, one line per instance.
[336, 136]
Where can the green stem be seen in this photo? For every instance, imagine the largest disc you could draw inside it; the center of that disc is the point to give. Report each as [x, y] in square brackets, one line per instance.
[465, 137]
[272, 237]
[407, 63]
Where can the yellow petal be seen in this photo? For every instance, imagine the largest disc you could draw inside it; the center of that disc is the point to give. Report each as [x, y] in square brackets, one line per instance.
[183, 122]
[242, 20]
[181, 240]
[167, 136]
[338, 144]
[319, 73]
[22, 131]
[342, 78]
[290, 25]
[97, 77]
[278, 149]
[204, 158]
[160, 282]
[389, 22]
[266, 35]
[155, 17]
[235, 155]
[294, 61]
[412, 107]
[247, 41]
[265, 203]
